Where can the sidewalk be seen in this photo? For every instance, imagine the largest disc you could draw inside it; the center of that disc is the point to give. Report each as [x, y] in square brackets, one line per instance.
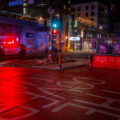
[64, 65]
[36, 64]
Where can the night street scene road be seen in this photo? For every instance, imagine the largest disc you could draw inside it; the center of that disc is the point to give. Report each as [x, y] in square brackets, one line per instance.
[59, 60]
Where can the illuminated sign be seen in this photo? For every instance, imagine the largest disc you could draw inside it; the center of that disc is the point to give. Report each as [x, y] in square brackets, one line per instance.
[101, 61]
[30, 2]
[15, 3]
[74, 38]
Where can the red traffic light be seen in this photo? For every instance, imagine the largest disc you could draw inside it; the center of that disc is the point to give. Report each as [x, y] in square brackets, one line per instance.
[54, 31]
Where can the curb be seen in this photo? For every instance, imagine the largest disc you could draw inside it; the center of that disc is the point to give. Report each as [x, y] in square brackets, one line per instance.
[58, 69]
[50, 67]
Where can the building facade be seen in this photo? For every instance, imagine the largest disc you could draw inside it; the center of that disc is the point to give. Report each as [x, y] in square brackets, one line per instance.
[30, 34]
[88, 21]
[94, 11]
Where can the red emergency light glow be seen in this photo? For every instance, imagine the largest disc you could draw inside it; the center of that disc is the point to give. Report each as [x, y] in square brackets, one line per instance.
[9, 43]
[10, 90]
[102, 61]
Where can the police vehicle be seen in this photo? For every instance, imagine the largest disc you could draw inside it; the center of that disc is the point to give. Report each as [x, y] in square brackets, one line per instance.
[10, 46]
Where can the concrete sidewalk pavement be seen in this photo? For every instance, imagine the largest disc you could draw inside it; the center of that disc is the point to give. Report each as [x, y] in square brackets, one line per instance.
[35, 64]
[64, 65]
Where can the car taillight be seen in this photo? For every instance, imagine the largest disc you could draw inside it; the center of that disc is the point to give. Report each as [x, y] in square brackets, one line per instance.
[9, 42]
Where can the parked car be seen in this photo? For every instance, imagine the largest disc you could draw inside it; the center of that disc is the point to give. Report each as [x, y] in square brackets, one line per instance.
[10, 47]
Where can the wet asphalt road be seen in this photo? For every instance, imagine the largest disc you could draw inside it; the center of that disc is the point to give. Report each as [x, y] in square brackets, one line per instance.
[74, 94]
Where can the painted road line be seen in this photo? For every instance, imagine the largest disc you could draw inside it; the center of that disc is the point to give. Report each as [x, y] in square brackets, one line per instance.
[112, 92]
[107, 102]
[62, 89]
[66, 84]
[51, 104]
[32, 112]
[98, 96]
[87, 108]
[90, 112]
[51, 94]
[39, 79]
[94, 81]
[61, 107]
[36, 96]
[30, 84]
[95, 104]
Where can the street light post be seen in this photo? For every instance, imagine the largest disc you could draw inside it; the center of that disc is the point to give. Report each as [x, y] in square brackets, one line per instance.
[51, 14]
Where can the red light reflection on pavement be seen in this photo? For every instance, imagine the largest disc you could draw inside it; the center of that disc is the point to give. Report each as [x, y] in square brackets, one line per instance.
[86, 93]
[7, 72]
[11, 93]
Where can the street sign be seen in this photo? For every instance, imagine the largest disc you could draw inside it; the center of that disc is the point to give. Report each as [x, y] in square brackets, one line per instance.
[30, 2]
[74, 38]
[15, 3]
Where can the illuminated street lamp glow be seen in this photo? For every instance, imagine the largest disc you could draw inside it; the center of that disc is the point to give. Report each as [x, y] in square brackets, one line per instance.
[54, 25]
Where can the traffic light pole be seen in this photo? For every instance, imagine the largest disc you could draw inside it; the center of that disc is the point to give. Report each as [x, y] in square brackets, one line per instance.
[51, 31]
[60, 58]
[51, 14]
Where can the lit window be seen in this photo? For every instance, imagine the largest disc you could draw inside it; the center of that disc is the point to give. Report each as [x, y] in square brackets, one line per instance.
[64, 7]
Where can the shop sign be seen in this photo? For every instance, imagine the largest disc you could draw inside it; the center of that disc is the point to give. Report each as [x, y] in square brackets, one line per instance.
[74, 38]
[16, 2]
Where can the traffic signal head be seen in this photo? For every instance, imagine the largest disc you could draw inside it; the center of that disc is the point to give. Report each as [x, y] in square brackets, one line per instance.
[55, 25]
[54, 31]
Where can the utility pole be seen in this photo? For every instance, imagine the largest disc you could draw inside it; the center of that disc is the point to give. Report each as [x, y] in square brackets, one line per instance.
[51, 37]
[51, 10]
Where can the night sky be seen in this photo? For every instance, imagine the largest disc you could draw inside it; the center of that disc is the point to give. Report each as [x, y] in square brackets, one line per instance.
[103, 1]
[107, 2]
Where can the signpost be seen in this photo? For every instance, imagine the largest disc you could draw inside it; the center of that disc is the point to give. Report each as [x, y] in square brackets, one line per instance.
[74, 38]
